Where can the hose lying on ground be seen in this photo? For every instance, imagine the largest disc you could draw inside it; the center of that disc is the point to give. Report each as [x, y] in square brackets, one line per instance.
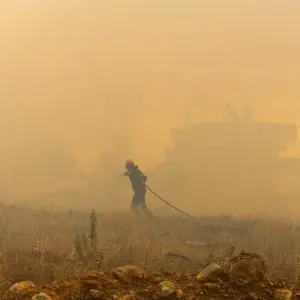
[169, 204]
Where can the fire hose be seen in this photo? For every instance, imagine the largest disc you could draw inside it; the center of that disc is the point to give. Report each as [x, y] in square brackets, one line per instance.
[169, 204]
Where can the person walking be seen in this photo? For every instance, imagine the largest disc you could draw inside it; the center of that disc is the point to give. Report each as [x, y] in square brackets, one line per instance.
[138, 181]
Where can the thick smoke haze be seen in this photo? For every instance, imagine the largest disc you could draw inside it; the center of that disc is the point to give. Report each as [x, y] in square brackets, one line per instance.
[92, 83]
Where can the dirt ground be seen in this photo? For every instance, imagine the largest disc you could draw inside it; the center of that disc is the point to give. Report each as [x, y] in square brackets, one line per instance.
[75, 255]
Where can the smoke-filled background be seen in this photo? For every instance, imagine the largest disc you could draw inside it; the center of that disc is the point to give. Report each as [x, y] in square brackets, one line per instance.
[87, 84]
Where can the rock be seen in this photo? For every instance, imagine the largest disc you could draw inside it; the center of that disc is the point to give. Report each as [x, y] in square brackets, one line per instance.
[92, 275]
[41, 296]
[165, 289]
[247, 268]
[212, 270]
[283, 294]
[92, 280]
[129, 273]
[93, 295]
[251, 296]
[21, 287]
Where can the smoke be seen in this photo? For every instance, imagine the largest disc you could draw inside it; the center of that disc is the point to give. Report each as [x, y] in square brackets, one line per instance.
[106, 80]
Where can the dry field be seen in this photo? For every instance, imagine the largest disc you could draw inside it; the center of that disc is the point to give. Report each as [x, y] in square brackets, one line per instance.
[75, 255]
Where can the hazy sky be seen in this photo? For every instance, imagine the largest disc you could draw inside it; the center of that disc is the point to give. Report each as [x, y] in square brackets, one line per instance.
[104, 74]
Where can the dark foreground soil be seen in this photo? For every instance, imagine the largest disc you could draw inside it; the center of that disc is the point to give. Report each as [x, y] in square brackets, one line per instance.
[105, 285]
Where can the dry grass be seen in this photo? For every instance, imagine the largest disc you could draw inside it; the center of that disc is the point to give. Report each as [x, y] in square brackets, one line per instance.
[44, 246]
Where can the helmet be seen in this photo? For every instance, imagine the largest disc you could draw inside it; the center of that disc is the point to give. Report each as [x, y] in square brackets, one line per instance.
[129, 163]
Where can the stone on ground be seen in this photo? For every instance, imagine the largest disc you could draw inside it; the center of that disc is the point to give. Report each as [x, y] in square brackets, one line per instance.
[165, 289]
[129, 273]
[41, 296]
[21, 287]
[94, 295]
[283, 294]
[211, 271]
[247, 268]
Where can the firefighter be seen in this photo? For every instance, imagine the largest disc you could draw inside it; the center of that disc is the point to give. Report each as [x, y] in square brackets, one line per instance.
[137, 180]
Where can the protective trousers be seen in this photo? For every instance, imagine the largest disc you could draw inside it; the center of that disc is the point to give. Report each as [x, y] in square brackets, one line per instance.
[138, 203]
